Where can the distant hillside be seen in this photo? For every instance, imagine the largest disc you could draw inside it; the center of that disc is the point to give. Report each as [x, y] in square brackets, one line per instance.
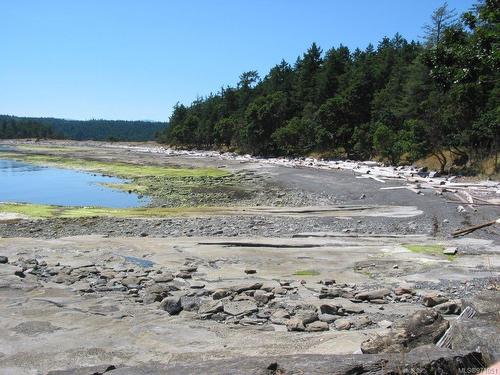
[99, 130]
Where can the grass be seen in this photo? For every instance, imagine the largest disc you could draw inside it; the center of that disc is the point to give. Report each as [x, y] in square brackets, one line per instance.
[124, 170]
[428, 250]
[306, 273]
[37, 211]
[46, 211]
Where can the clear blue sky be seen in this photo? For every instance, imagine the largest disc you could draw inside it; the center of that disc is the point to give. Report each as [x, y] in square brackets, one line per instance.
[134, 59]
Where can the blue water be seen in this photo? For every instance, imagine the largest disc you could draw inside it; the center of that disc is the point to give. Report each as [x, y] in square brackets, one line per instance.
[27, 183]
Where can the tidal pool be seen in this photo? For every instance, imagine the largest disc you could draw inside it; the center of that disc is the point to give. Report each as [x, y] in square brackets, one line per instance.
[27, 183]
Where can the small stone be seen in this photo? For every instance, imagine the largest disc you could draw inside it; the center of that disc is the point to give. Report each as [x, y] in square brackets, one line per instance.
[250, 271]
[183, 275]
[3, 259]
[395, 267]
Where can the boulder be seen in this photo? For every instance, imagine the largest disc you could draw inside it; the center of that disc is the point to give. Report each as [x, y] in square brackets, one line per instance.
[421, 328]
[172, 305]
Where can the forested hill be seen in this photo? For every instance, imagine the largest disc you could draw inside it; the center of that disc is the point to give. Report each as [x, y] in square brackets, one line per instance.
[400, 100]
[99, 130]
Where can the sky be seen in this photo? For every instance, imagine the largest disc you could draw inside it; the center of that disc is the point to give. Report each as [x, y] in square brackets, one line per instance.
[134, 59]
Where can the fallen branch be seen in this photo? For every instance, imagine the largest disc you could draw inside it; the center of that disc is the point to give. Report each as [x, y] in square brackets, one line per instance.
[468, 230]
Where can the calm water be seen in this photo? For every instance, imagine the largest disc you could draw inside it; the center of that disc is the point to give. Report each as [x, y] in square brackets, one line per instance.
[27, 183]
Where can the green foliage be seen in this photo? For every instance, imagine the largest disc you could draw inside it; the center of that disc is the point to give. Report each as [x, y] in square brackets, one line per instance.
[13, 127]
[399, 98]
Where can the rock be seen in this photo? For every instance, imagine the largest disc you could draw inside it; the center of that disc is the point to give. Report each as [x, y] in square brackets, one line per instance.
[279, 290]
[361, 321]
[295, 324]
[196, 285]
[328, 318]
[327, 282]
[342, 324]
[426, 360]
[330, 293]
[450, 250]
[163, 278]
[240, 308]
[279, 316]
[373, 294]
[403, 290]
[434, 298]
[385, 324]
[190, 303]
[189, 269]
[210, 307]
[221, 293]
[243, 288]
[461, 209]
[328, 309]
[262, 297]
[422, 327]
[3, 259]
[306, 316]
[250, 271]
[172, 305]
[353, 308]
[453, 307]
[317, 326]
[183, 275]
[131, 282]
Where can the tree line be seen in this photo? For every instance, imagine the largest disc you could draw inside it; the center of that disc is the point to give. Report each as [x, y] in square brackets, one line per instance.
[98, 130]
[401, 100]
[12, 128]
